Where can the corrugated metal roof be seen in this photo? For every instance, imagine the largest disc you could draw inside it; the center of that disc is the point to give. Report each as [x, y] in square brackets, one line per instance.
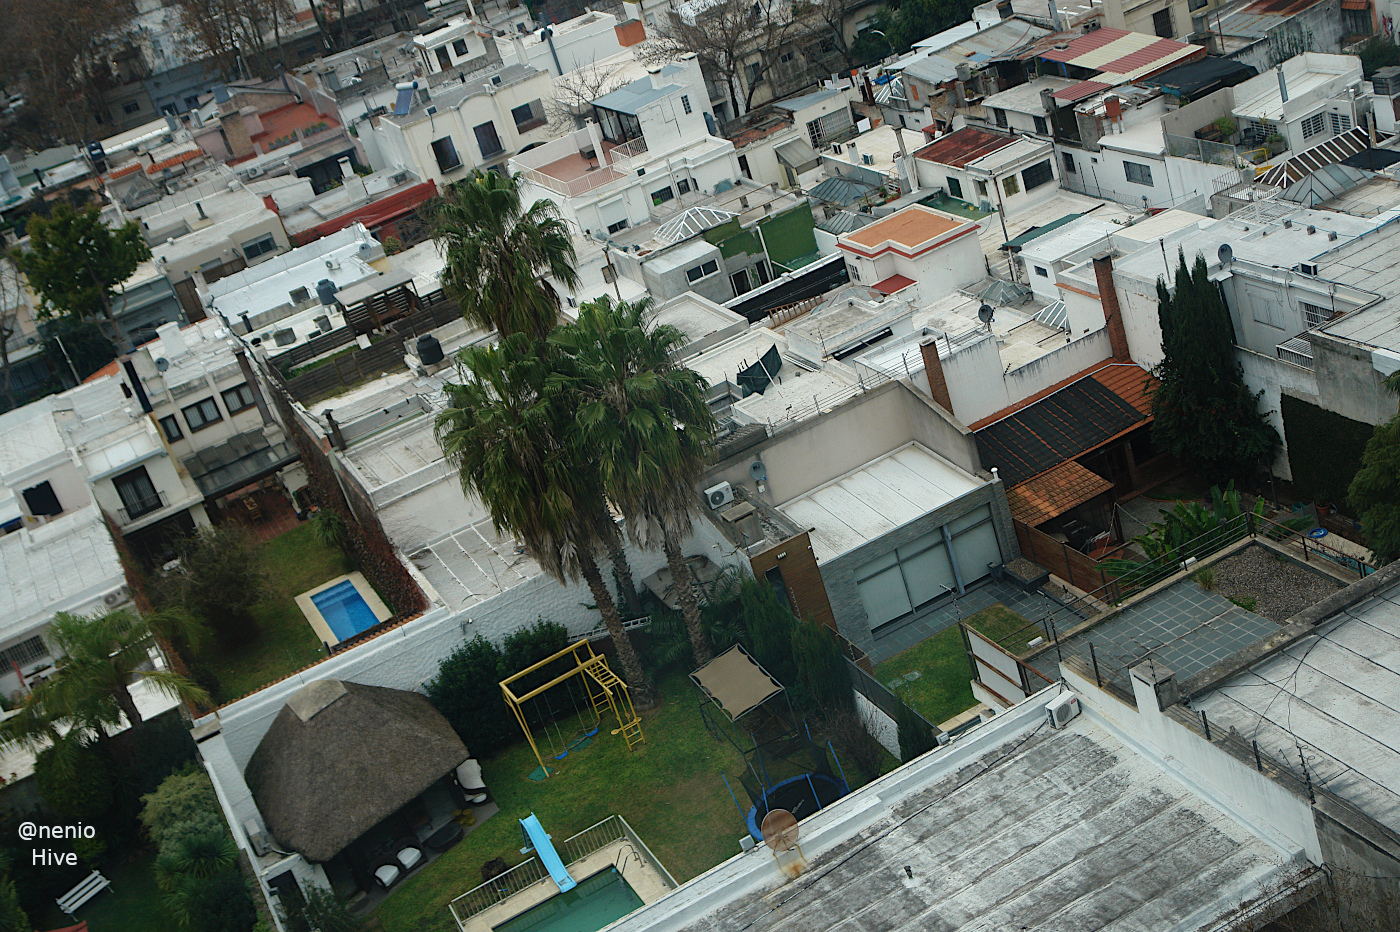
[845, 221]
[1080, 91]
[842, 191]
[1081, 45]
[965, 145]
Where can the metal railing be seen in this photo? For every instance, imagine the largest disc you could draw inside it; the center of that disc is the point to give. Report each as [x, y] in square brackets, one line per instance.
[571, 850]
[142, 506]
[1203, 150]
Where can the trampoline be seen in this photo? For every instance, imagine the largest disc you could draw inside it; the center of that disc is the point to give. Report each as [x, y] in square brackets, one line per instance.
[802, 795]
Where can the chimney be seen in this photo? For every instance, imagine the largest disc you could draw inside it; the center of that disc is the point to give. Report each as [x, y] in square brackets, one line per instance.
[346, 169]
[933, 371]
[630, 32]
[521, 55]
[1282, 84]
[1112, 315]
[240, 144]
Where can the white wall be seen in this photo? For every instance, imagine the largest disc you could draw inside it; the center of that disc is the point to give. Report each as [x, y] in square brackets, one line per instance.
[936, 273]
[1273, 377]
[1059, 365]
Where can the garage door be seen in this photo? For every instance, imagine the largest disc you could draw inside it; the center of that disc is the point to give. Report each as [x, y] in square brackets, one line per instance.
[904, 580]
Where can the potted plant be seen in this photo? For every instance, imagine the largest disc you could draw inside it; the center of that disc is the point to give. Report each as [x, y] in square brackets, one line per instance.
[1227, 127]
[1275, 143]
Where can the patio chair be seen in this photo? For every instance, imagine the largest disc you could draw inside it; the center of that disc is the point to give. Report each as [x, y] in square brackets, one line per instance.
[409, 855]
[386, 871]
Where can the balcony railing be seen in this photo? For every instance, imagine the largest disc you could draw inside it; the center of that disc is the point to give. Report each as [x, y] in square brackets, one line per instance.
[1297, 351]
[142, 506]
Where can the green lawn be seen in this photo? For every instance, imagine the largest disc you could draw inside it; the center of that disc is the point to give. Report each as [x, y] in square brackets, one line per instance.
[296, 561]
[1007, 628]
[669, 790]
[942, 688]
[131, 904]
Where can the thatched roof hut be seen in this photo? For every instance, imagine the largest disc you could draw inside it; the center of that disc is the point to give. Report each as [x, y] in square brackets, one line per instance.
[341, 757]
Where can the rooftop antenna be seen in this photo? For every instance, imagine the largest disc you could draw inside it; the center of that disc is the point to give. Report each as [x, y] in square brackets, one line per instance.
[780, 834]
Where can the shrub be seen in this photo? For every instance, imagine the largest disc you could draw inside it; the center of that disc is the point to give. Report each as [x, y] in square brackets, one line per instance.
[183, 803]
[216, 904]
[326, 912]
[822, 670]
[1247, 602]
[530, 645]
[1205, 578]
[220, 579]
[468, 694]
[12, 916]
[392, 245]
[770, 626]
[329, 527]
[915, 735]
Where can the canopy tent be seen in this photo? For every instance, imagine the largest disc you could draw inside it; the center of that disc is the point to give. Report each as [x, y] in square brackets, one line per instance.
[341, 757]
[736, 683]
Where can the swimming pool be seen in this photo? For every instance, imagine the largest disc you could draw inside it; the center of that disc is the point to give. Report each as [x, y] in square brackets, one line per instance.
[597, 901]
[346, 612]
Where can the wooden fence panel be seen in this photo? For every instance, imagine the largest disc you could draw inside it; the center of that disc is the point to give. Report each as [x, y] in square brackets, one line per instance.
[1061, 559]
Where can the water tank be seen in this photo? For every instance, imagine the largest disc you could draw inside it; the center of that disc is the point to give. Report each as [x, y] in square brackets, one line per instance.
[325, 290]
[429, 349]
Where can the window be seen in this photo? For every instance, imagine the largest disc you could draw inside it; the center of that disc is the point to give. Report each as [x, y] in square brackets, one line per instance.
[1341, 123]
[1037, 175]
[459, 48]
[259, 247]
[685, 102]
[823, 128]
[137, 492]
[744, 167]
[740, 281]
[201, 414]
[617, 227]
[701, 271]
[753, 73]
[41, 500]
[191, 103]
[1069, 164]
[853, 272]
[1314, 125]
[1194, 5]
[1010, 186]
[683, 186]
[786, 57]
[171, 426]
[1041, 272]
[488, 140]
[662, 195]
[24, 654]
[981, 187]
[1040, 125]
[774, 578]
[1138, 173]
[954, 187]
[132, 106]
[238, 398]
[525, 118]
[445, 151]
[1314, 315]
[1162, 23]
[764, 276]
[999, 115]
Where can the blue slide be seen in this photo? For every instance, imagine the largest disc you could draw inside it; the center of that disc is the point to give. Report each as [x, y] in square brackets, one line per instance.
[536, 838]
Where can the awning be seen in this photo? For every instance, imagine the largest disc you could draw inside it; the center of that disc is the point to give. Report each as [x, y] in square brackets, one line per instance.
[797, 155]
[239, 460]
[1017, 242]
[735, 682]
[1054, 493]
[893, 284]
[370, 287]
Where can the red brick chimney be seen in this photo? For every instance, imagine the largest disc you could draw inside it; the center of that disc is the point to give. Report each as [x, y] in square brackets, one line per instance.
[933, 371]
[1112, 315]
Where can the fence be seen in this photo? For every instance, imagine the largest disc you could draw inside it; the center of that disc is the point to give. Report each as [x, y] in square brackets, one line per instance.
[1204, 150]
[881, 696]
[1075, 568]
[572, 850]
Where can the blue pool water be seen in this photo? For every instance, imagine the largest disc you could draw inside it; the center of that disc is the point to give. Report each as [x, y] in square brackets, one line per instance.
[345, 610]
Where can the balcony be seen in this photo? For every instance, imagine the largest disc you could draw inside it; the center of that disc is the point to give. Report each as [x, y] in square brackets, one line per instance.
[141, 507]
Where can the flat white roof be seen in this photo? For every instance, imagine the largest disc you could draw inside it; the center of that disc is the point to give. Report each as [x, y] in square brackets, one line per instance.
[877, 498]
[269, 284]
[28, 435]
[60, 566]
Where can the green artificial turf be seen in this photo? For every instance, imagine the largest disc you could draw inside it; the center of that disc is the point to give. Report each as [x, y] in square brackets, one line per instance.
[942, 689]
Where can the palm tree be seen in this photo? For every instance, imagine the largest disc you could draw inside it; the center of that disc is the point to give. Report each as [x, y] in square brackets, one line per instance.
[498, 254]
[89, 693]
[643, 418]
[504, 432]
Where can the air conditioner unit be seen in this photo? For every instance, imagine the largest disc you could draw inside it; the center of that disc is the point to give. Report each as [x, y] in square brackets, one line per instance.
[256, 838]
[1308, 268]
[720, 495]
[1061, 709]
[115, 598]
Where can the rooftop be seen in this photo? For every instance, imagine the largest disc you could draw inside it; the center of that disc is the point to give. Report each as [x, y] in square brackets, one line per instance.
[1371, 263]
[66, 565]
[453, 93]
[1016, 826]
[977, 47]
[641, 93]
[873, 500]
[699, 319]
[341, 257]
[1333, 696]
[1025, 98]
[1260, 99]
[913, 230]
[965, 145]
[1120, 55]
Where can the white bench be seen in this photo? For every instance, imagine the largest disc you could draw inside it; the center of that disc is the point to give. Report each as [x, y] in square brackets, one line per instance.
[92, 885]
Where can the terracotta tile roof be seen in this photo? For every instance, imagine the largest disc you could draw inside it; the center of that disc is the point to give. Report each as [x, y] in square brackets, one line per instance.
[1130, 382]
[1055, 492]
[175, 160]
[125, 170]
[892, 284]
[1085, 43]
[966, 145]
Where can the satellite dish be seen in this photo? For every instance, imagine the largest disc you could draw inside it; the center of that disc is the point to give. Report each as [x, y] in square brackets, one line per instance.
[985, 312]
[779, 830]
[1226, 254]
[162, 364]
[758, 471]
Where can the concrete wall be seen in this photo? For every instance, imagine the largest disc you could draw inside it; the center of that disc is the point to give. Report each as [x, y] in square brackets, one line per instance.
[1185, 120]
[937, 273]
[1275, 377]
[1347, 381]
[1057, 366]
[881, 727]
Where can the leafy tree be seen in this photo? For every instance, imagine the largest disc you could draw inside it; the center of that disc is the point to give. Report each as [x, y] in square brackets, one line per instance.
[77, 264]
[771, 627]
[89, 693]
[74, 349]
[498, 253]
[913, 20]
[822, 669]
[915, 735]
[1375, 489]
[643, 418]
[184, 803]
[83, 792]
[466, 691]
[218, 903]
[328, 913]
[505, 431]
[1202, 411]
[219, 580]
[1378, 52]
